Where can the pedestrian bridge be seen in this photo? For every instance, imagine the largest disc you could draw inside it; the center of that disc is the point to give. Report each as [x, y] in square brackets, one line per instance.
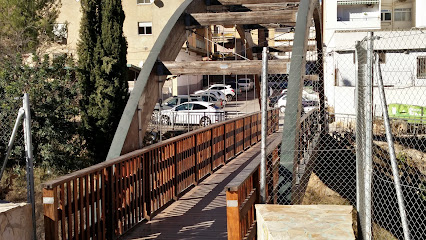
[178, 188]
[175, 189]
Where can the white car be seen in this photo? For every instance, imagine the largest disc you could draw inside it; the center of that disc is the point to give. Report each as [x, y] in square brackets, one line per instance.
[226, 89]
[217, 93]
[195, 113]
[209, 97]
[246, 84]
[308, 105]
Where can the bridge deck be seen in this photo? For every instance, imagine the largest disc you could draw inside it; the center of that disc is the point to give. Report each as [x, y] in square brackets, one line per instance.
[201, 212]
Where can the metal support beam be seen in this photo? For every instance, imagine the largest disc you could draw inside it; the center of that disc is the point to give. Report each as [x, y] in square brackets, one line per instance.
[142, 81]
[290, 142]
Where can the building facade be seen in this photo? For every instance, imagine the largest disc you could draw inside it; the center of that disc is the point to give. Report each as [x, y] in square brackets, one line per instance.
[400, 44]
[145, 19]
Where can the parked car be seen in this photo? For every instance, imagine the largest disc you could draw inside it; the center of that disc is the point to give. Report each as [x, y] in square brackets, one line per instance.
[173, 101]
[234, 86]
[273, 99]
[246, 84]
[218, 94]
[307, 105]
[198, 113]
[209, 97]
[226, 89]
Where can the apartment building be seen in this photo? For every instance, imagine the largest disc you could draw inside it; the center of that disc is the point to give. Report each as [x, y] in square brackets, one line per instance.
[401, 43]
[145, 19]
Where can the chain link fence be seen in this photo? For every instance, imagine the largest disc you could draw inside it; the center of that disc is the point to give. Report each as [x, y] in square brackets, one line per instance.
[318, 163]
[8, 114]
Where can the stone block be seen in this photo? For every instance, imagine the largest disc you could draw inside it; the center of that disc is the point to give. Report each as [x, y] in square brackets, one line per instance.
[15, 221]
[297, 222]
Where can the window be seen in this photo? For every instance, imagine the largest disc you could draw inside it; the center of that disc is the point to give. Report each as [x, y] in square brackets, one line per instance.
[145, 28]
[172, 102]
[60, 33]
[144, 1]
[199, 107]
[382, 57]
[183, 107]
[183, 100]
[402, 14]
[421, 67]
[386, 15]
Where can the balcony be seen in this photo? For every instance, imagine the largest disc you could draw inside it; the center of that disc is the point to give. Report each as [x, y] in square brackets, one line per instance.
[358, 20]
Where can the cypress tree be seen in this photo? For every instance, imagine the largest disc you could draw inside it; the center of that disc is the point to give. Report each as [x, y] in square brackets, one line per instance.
[103, 73]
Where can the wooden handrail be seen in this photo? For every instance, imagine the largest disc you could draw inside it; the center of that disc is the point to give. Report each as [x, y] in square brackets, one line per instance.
[107, 199]
[242, 193]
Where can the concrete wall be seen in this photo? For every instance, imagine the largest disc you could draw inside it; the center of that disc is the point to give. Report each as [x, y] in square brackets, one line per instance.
[420, 17]
[139, 46]
[184, 84]
[15, 221]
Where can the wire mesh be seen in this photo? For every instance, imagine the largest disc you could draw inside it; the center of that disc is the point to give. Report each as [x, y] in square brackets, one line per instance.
[8, 113]
[321, 166]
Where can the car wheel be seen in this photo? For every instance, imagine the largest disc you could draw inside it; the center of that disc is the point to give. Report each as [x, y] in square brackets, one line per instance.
[205, 121]
[282, 109]
[229, 97]
[165, 120]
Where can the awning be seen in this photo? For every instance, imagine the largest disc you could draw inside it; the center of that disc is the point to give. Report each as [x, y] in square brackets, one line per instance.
[356, 2]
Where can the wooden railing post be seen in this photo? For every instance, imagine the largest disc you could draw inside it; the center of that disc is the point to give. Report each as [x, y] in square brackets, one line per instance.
[211, 149]
[50, 207]
[146, 187]
[176, 180]
[235, 137]
[233, 216]
[224, 144]
[195, 152]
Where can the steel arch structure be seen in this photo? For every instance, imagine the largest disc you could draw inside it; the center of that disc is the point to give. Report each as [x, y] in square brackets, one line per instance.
[173, 36]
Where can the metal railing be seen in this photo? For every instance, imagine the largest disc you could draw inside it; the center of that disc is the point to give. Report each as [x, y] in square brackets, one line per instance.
[106, 200]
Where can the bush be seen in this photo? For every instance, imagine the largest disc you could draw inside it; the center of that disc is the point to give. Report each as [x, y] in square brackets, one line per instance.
[54, 96]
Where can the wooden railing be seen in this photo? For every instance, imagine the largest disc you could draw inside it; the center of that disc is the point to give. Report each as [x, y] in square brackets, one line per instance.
[107, 199]
[242, 193]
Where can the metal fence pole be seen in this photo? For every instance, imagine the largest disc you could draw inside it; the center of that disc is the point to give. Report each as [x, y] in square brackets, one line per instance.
[29, 159]
[368, 136]
[264, 124]
[395, 171]
[21, 113]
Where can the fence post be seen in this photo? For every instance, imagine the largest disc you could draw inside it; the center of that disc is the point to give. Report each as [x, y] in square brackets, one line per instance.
[264, 125]
[50, 207]
[29, 159]
[368, 135]
[233, 215]
[394, 164]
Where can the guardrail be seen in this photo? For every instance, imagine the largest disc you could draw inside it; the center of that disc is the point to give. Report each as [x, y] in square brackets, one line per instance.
[242, 193]
[106, 200]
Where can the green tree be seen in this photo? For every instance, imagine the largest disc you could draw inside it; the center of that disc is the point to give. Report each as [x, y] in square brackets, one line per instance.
[25, 25]
[53, 91]
[102, 74]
